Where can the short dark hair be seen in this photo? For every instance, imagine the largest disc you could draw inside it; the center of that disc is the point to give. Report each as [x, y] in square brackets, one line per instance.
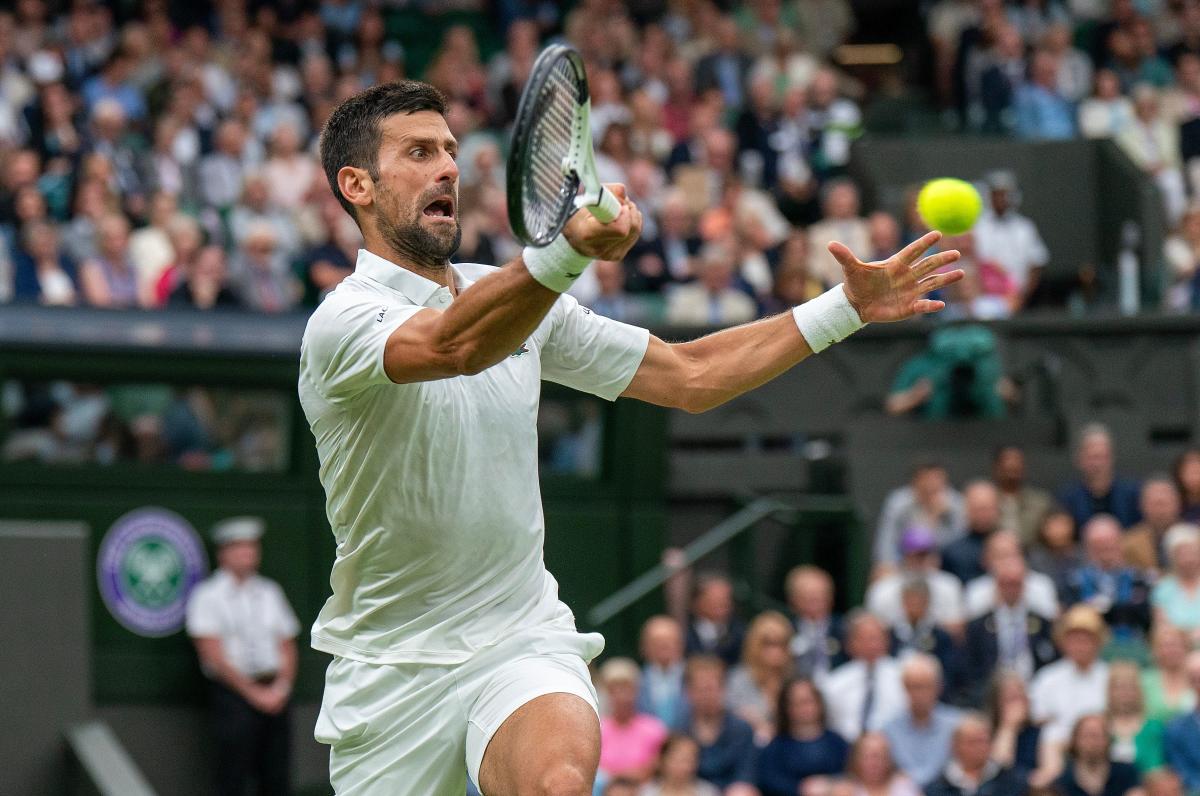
[351, 135]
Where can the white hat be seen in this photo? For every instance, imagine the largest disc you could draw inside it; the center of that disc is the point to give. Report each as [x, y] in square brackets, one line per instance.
[238, 529]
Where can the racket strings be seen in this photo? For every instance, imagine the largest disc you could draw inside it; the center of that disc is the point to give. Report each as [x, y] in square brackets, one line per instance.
[550, 144]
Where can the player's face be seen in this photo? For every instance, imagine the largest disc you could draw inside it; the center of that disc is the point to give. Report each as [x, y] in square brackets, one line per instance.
[416, 193]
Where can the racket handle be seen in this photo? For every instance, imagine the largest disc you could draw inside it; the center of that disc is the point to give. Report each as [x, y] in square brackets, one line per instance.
[607, 206]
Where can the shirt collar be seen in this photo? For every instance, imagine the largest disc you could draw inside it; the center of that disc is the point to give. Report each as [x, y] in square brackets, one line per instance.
[415, 287]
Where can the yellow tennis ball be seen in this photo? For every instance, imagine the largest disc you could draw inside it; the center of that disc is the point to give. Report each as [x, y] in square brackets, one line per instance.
[948, 205]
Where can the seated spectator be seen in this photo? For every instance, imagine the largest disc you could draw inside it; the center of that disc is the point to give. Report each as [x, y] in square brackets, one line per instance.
[1055, 551]
[1152, 143]
[1182, 739]
[1176, 597]
[985, 293]
[1077, 684]
[42, 273]
[1143, 543]
[1009, 239]
[1042, 112]
[755, 683]
[612, 301]
[1187, 478]
[1105, 582]
[108, 279]
[1181, 250]
[959, 375]
[186, 239]
[865, 692]
[840, 222]
[920, 735]
[1165, 683]
[804, 747]
[1022, 505]
[1098, 489]
[150, 248]
[221, 172]
[204, 286]
[629, 741]
[920, 561]
[661, 692]
[1136, 738]
[981, 593]
[676, 775]
[334, 260]
[928, 501]
[1107, 113]
[1015, 736]
[1090, 769]
[1074, 77]
[794, 284]
[835, 122]
[255, 209]
[1012, 636]
[871, 770]
[971, 771]
[916, 632]
[713, 628]
[817, 644]
[712, 300]
[964, 557]
[289, 171]
[883, 230]
[260, 273]
[727, 752]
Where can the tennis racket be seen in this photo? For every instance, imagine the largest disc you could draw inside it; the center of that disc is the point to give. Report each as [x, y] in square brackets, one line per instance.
[551, 156]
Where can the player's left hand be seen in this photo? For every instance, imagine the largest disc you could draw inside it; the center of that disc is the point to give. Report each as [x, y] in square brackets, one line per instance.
[892, 290]
[611, 241]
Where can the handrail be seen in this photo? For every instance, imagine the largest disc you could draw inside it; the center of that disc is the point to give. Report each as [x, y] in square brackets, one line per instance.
[108, 767]
[720, 534]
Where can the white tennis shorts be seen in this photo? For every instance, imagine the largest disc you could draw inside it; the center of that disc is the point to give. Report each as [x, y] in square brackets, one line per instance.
[421, 729]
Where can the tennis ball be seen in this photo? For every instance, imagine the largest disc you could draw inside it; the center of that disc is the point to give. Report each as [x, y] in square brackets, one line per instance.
[948, 205]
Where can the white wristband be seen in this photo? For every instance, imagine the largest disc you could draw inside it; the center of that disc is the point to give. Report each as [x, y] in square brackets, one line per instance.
[827, 319]
[556, 265]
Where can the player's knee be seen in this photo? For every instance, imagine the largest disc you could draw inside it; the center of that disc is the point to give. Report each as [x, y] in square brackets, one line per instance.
[564, 779]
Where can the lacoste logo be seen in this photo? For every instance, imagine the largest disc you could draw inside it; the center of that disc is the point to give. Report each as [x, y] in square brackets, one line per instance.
[572, 276]
[524, 349]
[586, 310]
[381, 314]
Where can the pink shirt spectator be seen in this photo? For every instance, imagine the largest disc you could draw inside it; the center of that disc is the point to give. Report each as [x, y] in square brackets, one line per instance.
[633, 746]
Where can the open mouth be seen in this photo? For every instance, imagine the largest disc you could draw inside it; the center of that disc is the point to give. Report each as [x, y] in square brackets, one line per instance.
[440, 208]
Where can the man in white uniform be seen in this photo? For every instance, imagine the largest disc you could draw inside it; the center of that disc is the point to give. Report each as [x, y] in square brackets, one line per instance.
[420, 382]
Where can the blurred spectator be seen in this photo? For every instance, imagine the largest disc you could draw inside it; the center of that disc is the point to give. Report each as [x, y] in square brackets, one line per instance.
[840, 222]
[1143, 543]
[1176, 597]
[958, 376]
[920, 735]
[1165, 685]
[1090, 770]
[186, 239]
[676, 774]
[981, 594]
[871, 770]
[916, 632]
[221, 172]
[204, 286]
[1022, 505]
[971, 771]
[920, 561]
[1136, 738]
[1105, 581]
[260, 273]
[712, 300]
[793, 284]
[255, 209]
[150, 248]
[333, 261]
[1187, 478]
[1074, 78]
[755, 683]
[114, 83]
[1107, 113]
[836, 122]
[1182, 738]
[817, 643]
[985, 292]
[1182, 253]
[1162, 782]
[1011, 637]
[1042, 112]
[805, 749]
[1098, 490]
[963, 557]
[1015, 735]
[1152, 143]
[1055, 552]
[726, 67]
[289, 171]
[1077, 684]
[865, 692]
[713, 628]
[928, 501]
[1004, 236]
[612, 301]
[92, 203]
[629, 741]
[110, 141]
[661, 692]
[42, 273]
[727, 753]
[109, 280]
[884, 233]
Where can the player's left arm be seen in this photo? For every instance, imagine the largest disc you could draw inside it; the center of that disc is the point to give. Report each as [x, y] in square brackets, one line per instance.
[701, 374]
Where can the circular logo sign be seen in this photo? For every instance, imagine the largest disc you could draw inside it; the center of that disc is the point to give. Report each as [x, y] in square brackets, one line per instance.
[147, 565]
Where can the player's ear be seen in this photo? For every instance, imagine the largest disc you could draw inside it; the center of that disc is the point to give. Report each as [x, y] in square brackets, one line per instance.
[356, 185]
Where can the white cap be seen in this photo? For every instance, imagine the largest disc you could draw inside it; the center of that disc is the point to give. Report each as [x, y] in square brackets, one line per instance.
[238, 529]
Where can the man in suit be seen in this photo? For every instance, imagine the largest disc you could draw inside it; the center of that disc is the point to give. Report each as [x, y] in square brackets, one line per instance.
[917, 632]
[725, 68]
[817, 646]
[1104, 581]
[713, 628]
[712, 300]
[1182, 740]
[864, 693]
[1098, 489]
[1010, 635]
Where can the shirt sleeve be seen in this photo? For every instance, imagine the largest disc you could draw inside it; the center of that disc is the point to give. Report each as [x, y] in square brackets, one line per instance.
[343, 347]
[591, 353]
[202, 620]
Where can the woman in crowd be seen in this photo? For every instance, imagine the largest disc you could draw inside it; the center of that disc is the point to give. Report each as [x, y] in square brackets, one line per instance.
[1187, 477]
[872, 772]
[805, 746]
[1015, 736]
[1135, 738]
[677, 763]
[1176, 597]
[755, 683]
[1055, 551]
[1090, 770]
[727, 753]
[629, 741]
[43, 273]
[1165, 686]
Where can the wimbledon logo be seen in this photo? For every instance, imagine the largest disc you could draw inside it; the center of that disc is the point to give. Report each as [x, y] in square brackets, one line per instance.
[147, 565]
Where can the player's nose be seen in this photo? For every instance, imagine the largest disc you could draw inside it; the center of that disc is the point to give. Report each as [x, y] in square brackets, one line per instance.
[447, 168]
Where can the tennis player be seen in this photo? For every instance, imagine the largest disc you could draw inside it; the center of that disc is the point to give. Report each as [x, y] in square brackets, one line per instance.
[420, 380]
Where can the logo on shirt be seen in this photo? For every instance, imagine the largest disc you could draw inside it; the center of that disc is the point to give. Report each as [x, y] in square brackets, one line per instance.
[524, 349]
[382, 312]
[149, 561]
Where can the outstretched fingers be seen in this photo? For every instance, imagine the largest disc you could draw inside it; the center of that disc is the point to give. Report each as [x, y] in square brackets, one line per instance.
[934, 262]
[841, 252]
[926, 306]
[912, 252]
[939, 281]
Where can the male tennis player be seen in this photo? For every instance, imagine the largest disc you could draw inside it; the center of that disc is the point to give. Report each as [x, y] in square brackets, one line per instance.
[420, 381]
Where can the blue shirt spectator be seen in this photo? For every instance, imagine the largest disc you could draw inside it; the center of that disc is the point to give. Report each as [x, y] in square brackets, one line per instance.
[727, 751]
[661, 691]
[1182, 738]
[1041, 112]
[1098, 490]
[804, 747]
[920, 736]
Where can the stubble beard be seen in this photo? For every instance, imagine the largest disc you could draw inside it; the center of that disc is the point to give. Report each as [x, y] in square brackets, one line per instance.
[416, 244]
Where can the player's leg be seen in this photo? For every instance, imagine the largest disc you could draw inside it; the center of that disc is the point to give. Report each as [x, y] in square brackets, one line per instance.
[549, 747]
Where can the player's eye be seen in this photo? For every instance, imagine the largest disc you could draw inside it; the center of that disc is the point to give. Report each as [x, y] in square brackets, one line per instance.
[419, 152]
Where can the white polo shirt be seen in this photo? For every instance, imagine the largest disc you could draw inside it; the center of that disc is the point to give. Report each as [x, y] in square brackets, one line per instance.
[250, 618]
[432, 487]
[1011, 241]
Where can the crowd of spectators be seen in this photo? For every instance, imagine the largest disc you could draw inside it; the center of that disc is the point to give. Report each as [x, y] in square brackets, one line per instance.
[153, 155]
[1012, 640]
